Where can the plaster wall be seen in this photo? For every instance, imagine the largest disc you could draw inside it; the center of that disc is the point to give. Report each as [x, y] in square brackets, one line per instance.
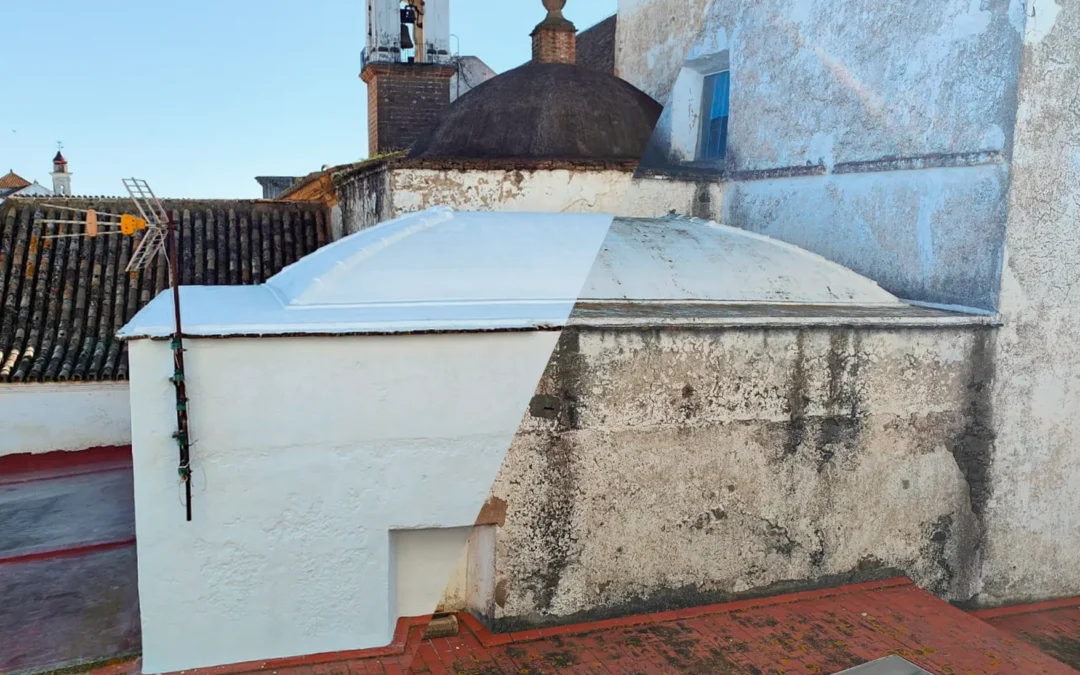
[661, 468]
[659, 196]
[336, 224]
[364, 200]
[932, 234]
[38, 418]
[371, 198]
[499, 190]
[1034, 508]
[289, 549]
[368, 201]
[652, 40]
[875, 134]
[818, 80]
[423, 561]
[471, 73]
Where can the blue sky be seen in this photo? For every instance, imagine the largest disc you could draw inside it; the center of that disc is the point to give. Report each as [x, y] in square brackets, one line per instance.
[200, 96]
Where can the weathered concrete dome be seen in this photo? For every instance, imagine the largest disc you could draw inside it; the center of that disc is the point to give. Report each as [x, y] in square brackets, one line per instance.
[544, 111]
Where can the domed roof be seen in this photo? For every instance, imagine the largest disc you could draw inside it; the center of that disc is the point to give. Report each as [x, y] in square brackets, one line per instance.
[445, 270]
[544, 111]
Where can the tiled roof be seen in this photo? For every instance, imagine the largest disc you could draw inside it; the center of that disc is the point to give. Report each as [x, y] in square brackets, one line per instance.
[822, 631]
[62, 300]
[596, 46]
[13, 181]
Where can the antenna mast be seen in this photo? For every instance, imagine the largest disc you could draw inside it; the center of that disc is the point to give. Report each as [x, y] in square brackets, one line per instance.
[158, 226]
[152, 211]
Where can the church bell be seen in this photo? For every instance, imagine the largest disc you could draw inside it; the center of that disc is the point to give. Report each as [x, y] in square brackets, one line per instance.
[408, 16]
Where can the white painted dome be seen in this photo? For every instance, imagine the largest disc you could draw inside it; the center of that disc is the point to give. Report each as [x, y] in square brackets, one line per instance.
[441, 270]
[443, 256]
[671, 259]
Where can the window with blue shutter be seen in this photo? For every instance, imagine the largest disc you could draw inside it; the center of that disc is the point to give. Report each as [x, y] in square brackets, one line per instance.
[714, 116]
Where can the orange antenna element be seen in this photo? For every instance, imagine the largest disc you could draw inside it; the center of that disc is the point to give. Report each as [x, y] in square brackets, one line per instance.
[129, 224]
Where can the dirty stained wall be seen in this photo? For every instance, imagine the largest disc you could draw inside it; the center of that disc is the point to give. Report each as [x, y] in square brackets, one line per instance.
[1034, 507]
[561, 190]
[660, 468]
[364, 198]
[378, 195]
[885, 150]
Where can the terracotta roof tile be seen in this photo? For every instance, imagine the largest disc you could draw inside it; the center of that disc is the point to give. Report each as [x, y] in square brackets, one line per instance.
[13, 181]
[62, 300]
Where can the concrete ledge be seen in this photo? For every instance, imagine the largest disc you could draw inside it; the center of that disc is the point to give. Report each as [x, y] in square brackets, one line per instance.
[638, 315]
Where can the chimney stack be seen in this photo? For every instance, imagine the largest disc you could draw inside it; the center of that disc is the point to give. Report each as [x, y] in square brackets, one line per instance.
[554, 40]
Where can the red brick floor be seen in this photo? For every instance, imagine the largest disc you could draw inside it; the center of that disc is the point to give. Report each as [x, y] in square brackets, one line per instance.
[1053, 627]
[819, 632]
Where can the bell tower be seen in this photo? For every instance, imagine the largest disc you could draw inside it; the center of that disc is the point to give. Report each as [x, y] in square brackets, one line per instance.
[407, 66]
[61, 177]
[404, 31]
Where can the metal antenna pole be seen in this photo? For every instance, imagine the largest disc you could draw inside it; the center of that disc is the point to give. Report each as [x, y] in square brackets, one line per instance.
[182, 437]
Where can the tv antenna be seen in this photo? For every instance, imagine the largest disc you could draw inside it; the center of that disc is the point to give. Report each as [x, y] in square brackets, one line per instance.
[158, 228]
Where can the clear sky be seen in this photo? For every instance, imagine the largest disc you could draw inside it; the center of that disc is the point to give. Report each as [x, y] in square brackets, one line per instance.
[200, 96]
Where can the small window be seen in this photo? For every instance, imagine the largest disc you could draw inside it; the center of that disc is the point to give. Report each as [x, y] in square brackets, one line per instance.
[714, 116]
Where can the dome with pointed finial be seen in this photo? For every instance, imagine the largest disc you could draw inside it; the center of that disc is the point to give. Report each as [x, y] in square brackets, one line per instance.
[549, 108]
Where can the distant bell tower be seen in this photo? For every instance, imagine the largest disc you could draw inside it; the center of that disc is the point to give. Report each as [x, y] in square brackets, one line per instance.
[61, 177]
[407, 66]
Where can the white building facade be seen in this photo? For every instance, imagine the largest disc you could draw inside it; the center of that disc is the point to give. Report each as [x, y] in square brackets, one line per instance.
[345, 435]
[926, 148]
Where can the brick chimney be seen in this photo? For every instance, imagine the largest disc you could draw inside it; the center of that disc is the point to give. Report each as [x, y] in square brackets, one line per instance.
[554, 40]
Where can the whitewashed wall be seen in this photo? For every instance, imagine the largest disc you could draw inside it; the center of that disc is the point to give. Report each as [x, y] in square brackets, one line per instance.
[308, 453]
[541, 190]
[38, 418]
[1033, 491]
[884, 150]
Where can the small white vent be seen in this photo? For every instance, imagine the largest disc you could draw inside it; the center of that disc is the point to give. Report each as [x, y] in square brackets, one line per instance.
[891, 665]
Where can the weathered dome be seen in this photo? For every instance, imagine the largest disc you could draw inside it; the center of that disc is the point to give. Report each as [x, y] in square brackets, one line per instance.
[544, 111]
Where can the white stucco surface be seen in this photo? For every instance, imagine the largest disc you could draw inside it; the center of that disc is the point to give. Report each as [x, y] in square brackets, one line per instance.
[312, 454]
[1032, 487]
[448, 270]
[433, 270]
[307, 453]
[471, 73]
[427, 564]
[883, 150]
[689, 259]
[39, 418]
[552, 190]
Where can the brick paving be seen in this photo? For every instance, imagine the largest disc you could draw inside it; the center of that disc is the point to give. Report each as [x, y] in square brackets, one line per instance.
[1053, 627]
[819, 633]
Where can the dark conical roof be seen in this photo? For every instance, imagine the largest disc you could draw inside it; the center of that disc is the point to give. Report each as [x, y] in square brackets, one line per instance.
[544, 111]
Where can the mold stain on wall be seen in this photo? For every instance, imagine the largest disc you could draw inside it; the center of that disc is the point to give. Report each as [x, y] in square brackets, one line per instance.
[664, 468]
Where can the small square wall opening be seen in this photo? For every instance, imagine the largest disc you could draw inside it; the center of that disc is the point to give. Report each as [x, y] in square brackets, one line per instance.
[423, 562]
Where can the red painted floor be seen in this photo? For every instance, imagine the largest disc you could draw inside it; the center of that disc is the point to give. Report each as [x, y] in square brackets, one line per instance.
[820, 632]
[68, 571]
[1052, 627]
